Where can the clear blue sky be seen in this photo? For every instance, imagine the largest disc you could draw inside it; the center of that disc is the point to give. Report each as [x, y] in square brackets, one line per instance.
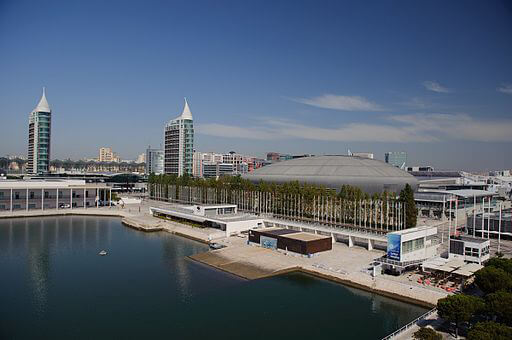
[430, 78]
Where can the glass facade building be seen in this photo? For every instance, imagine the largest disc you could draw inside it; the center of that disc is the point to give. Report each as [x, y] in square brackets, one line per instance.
[396, 158]
[179, 144]
[39, 135]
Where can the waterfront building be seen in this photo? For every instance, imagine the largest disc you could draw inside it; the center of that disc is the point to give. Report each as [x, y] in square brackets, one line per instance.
[51, 194]
[290, 240]
[154, 161]
[39, 137]
[370, 175]
[396, 158]
[220, 216]
[107, 155]
[179, 144]
[470, 249]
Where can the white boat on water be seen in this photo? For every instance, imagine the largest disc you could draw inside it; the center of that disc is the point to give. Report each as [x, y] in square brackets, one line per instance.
[102, 253]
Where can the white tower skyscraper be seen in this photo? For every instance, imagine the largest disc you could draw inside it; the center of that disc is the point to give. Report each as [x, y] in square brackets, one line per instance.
[179, 144]
[39, 133]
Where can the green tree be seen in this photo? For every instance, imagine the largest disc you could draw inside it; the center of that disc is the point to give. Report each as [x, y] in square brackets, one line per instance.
[491, 279]
[500, 262]
[411, 213]
[459, 308]
[499, 304]
[427, 333]
[489, 331]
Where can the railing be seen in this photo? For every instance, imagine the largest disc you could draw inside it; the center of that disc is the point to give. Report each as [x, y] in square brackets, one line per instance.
[410, 324]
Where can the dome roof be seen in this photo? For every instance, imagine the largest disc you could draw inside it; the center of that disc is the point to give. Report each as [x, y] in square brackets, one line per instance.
[334, 171]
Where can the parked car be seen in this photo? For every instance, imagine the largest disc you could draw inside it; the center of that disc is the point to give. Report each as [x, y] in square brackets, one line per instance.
[64, 206]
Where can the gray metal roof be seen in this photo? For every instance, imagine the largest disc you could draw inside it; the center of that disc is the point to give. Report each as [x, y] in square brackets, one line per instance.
[333, 171]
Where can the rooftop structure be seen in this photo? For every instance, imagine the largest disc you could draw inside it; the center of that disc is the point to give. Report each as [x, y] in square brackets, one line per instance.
[334, 171]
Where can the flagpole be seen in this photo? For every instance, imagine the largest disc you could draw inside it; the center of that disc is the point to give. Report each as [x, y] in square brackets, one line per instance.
[499, 229]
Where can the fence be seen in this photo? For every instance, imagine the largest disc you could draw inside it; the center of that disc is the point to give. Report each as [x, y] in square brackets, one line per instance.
[410, 324]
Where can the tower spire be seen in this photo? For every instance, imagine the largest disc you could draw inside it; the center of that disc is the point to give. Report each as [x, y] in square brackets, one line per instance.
[186, 114]
[43, 105]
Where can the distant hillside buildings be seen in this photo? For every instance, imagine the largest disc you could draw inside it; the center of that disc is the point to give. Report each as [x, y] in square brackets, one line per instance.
[107, 155]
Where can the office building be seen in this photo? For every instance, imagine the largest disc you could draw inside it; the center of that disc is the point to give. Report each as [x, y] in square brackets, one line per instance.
[396, 158]
[52, 194]
[215, 170]
[179, 144]
[154, 161]
[39, 136]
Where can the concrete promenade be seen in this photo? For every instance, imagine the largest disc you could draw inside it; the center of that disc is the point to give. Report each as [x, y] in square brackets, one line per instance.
[344, 264]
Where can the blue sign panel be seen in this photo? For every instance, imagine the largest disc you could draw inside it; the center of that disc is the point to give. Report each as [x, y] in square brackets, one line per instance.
[394, 247]
[268, 242]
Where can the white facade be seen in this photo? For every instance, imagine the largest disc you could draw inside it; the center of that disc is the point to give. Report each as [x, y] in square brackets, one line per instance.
[412, 244]
[51, 194]
[179, 144]
[223, 217]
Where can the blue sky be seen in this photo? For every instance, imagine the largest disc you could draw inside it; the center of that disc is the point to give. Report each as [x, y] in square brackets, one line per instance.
[430, 78]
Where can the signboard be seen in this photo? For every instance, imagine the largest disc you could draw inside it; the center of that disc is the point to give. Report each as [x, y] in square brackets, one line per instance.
[393, 252]
[268, 242]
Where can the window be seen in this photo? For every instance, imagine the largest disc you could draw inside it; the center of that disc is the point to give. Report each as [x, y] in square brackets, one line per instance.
[46, 194]
[31, 195]
[16, 195]
[412, 245]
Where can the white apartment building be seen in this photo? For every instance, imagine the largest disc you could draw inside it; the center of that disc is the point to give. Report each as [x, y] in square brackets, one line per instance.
[179, 144]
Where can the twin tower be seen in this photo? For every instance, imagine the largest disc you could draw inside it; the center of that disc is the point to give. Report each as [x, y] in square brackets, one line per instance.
[178, 141]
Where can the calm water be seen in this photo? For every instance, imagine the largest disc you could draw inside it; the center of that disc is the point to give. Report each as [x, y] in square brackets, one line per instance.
[54, 285]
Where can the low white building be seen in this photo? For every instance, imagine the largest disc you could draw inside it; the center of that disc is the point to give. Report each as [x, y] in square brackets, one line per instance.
[412, 244]
[223, 216]
[409, 247]
[51, 194]
[470, 249]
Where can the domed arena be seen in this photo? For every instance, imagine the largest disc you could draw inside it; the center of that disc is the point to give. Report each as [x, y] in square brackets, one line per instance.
[370, 175]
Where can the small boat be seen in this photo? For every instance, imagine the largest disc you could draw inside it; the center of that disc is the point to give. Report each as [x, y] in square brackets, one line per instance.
[102, 253]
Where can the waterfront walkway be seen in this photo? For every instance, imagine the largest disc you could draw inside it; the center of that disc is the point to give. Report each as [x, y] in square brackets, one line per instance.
[348, 265]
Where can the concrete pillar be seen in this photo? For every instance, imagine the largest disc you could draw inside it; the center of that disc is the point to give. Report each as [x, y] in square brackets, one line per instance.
[97, 198]
[110, 197]
[42, 199]
[26, 201]
[11, 200]
[71, 198]
[350, 241]
[57, 199]
[84, 196]
[370, 244]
